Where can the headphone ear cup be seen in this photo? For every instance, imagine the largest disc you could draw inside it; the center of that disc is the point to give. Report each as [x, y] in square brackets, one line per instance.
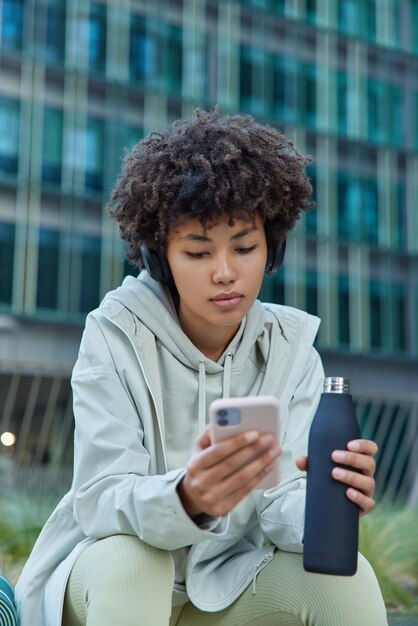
[156, 264]
[275, 256]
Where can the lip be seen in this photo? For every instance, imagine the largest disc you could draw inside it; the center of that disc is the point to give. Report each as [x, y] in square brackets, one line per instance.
[228, 300]
[227, 295]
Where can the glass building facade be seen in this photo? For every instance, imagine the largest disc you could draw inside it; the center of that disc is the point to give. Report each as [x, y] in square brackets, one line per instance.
[82, 80]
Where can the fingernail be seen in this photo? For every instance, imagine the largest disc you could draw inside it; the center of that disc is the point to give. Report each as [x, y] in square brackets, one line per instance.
[354, 445]
[251, 435]
[266, 439]
[337, 455]
[338, 472]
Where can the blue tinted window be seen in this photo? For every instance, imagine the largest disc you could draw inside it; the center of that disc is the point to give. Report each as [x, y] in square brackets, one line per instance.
[311, 287]
[9, 135]
[55, 32]
[12, 24]
[156, 54]
[97, 37]
[52, 145]
[90, 273]
[94, 154]
[48, 267]
[376, 295]
[7, 246]
[357, 209]
[343, 311]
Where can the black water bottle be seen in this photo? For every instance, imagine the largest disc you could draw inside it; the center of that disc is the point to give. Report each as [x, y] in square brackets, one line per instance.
[330, 541]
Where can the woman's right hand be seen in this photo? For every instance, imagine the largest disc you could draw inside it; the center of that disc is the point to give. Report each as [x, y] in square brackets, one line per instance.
[219, 476]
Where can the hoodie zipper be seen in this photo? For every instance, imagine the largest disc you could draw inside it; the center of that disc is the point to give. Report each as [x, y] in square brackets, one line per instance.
[258, 567]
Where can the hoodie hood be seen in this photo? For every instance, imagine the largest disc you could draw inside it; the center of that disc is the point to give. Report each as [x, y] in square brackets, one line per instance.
[151, 302]
[265, 357]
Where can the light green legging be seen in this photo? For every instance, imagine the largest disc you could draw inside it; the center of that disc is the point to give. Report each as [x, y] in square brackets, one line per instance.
[125, 582]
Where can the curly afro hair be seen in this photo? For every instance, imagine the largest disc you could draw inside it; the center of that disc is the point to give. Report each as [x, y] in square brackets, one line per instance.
[206, 168]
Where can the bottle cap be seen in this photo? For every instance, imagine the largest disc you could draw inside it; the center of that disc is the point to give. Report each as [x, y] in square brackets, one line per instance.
[336, 384]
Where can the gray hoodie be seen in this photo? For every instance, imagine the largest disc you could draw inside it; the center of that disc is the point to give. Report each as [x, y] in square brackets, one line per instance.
[141, 392]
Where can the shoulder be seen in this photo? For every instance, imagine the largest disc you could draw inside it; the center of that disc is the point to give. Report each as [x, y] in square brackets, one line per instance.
[292, 320]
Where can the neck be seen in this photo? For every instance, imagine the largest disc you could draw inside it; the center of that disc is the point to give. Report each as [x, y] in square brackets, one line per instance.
[211, 344]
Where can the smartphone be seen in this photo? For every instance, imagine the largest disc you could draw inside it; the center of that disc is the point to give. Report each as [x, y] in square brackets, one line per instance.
[230, 416]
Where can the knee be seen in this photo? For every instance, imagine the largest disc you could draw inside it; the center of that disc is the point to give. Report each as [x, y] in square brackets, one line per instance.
[126, 561]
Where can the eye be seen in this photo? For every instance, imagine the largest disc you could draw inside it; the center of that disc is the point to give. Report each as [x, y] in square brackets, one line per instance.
[196, 255]
[246, 250]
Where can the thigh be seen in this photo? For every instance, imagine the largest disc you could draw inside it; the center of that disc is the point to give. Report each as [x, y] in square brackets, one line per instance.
[286, 595]
[119, 580]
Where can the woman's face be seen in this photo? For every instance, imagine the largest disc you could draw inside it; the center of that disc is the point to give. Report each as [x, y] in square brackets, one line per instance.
[217, 273]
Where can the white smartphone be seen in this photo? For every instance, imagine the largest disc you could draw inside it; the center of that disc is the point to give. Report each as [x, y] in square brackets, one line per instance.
[230, 416]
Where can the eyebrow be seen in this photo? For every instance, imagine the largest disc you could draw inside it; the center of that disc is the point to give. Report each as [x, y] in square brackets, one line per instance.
[203, 238]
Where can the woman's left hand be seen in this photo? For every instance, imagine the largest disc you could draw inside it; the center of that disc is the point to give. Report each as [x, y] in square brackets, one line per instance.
[359, 455]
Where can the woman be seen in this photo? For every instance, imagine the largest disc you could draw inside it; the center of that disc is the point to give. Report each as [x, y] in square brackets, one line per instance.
[157, 530]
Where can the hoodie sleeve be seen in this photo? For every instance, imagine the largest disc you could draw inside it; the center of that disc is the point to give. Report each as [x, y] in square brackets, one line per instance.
[114, 492]
[281, 509]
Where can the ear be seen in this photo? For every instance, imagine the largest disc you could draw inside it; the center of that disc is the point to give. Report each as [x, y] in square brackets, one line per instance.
[275, 256]
[155, 263]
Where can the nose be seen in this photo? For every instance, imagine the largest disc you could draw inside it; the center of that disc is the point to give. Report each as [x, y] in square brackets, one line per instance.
[224, 269]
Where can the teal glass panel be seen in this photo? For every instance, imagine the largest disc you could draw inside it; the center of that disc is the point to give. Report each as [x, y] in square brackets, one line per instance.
[285, 79]
[384, 113]
[97, 37]
[55, 32]
[342, 103]
[311, 292]
[7, 246]
[48, 267]
[94, 154]
[357, 209]
[278, 287]
[399, 317]
[413, 25]
[9, 135]
[307, 94]
[252, 90]
[52, 146]
[156, 54]
[90, 273]
[311, 9]
[357, 18]
[12, 25]
[343, 310]
[376, 321]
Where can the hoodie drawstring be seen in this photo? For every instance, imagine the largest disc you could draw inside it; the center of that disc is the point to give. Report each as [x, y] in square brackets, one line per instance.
[226, 386]
[226, 381]
[202, 397]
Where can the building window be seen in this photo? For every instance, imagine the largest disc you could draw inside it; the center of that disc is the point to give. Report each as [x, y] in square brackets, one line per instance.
[311, 292]
[55, 33]
[306, 94]
[52, 146]
[343, 311]
[376, 322]
[357, 209]
[384, 113]
[9, 135]
[156, 54]
[94, 154]
[342, 109]
[358, 18]
[12, 24]
[90, 273]
[97, 37]
[399, 317]
[284, 89]
[48, 267]
[7, 246]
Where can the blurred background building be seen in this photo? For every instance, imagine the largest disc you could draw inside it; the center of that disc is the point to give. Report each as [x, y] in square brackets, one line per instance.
[82, 80]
